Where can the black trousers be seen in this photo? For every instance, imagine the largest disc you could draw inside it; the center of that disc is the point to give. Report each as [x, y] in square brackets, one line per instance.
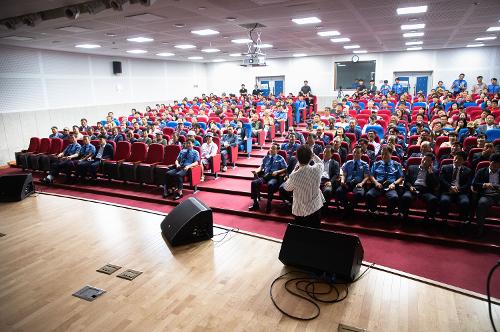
[312, 220]
[462, 200]
[224, 154]
[85, 167]
[483, 204]
[175, 178]
[272, 186]
[341, 195]
[374, 193]
[61, 165]
[431, 202]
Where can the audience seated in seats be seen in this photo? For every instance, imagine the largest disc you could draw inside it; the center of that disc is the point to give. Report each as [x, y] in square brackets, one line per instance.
[339, 149]
[92, 163]
[228, 140]
[487, 186]
[421, 181]
[115, 136]
[330, 177]
[55, 133]
[64, 159]
[353, 128]
[159, 139]
[270, 172]
[386, 176]
[208, 150]
[65, 133]
[455, 180]
[311, 142]
[488, 151]
[187, 158]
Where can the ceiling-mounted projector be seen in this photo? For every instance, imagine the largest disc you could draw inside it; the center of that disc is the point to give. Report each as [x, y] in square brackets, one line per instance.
[254, 60]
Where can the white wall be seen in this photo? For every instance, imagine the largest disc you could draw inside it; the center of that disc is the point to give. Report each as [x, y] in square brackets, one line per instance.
[319, 70]
[39, 89]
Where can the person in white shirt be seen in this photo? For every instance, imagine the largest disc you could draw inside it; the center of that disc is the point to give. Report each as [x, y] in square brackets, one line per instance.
[305, 182]
[208, 150]
[479, 87]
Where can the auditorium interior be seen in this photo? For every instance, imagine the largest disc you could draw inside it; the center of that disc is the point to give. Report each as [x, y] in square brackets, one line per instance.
[264, 165]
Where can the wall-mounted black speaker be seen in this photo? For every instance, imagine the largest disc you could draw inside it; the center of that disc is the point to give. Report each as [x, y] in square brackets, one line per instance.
[190, 221]
[16, 187]
[321, 251]
[117, 67]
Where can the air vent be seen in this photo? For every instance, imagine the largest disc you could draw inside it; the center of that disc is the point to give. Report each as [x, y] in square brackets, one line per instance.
[252, 25]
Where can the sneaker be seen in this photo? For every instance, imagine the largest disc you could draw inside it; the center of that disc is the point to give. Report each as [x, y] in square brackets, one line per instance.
[224, 169]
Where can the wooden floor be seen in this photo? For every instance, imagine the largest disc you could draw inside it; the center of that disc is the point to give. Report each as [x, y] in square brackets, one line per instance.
[54, 245]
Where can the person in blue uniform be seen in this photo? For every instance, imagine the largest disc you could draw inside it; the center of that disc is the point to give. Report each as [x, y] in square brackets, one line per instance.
[397, 88]
[228, 140]
[91, 164]
[70, 152]
[187, 158]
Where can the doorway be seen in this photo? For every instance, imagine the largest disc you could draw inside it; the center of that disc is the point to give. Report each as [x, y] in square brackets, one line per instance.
[271, 84]
[413, 82]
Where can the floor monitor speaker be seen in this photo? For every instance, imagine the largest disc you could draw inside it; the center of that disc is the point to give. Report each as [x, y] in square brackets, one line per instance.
[16, 187]
[337, 254]
[190, 221]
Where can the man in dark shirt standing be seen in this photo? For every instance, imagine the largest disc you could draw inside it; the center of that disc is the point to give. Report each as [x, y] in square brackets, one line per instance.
[243, 90]
[256, 91]
[306, 89]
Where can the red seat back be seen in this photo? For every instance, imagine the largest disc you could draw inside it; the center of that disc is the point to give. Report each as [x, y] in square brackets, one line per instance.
[336, 156]
[138, 152]
[155, 153]
[482, 164]
[443, 151]
[413, 149]
[469, 142]
[445, 162]
[65, 144]
[56, 146]
[44, 145]
[171, 153]
[122, 151]
[414, 161]
[34, 144]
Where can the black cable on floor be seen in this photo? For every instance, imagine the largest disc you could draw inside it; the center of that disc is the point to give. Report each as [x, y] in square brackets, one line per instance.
[488, 293]
[307, 286]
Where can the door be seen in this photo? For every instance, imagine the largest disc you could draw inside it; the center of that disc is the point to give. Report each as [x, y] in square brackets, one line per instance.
[421, 84]
[278, 87]
[405, 82]
[264, 86]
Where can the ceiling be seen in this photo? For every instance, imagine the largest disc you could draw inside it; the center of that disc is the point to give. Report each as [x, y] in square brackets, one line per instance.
[372, 24]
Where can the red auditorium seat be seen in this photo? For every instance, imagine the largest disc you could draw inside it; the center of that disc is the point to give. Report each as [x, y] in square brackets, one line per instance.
[445, 162]
[439, 140]
[21, 156]
[482, 164]
[413, 161]
[145, 170]
[171, 153]
[110, 167]
[441, 151]
[127, 169]
[33, 158]
[44, 161]
[413, 149]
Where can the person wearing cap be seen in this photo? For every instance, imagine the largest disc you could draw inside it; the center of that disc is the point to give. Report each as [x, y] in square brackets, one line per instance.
[159, 139]
[385, 88]
[208, 150]
[486, 183]
[191, 136]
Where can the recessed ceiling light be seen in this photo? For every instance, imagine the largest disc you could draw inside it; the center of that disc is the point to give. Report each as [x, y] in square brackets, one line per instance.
[306, 20]
[202, 8]
[195, 58]
[110, 34]
[348, 47]
[486, 38]
[18, 38]
[266, 45]
[414, 43]
[360, 51]
[145, 17]
[179, 25]
[328, 33]
[218, 60]
[298, 55]
[231, 19]
[185, 46]
[235, 54]
[340, 40]
[490, 29]
[412, 26]
[73, 29]
[241, 41]
[140, 39]
[476, 45]
[137, 51]
[413, 34]
[210, 50]
[165, 54]
[416, 48]
[87, 46]
[205, 32]
[411, 10]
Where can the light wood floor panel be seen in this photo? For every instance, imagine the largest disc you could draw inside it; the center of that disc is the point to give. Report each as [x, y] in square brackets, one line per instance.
[54, 245]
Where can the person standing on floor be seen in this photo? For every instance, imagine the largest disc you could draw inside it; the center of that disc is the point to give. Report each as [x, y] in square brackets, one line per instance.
[305, 182]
